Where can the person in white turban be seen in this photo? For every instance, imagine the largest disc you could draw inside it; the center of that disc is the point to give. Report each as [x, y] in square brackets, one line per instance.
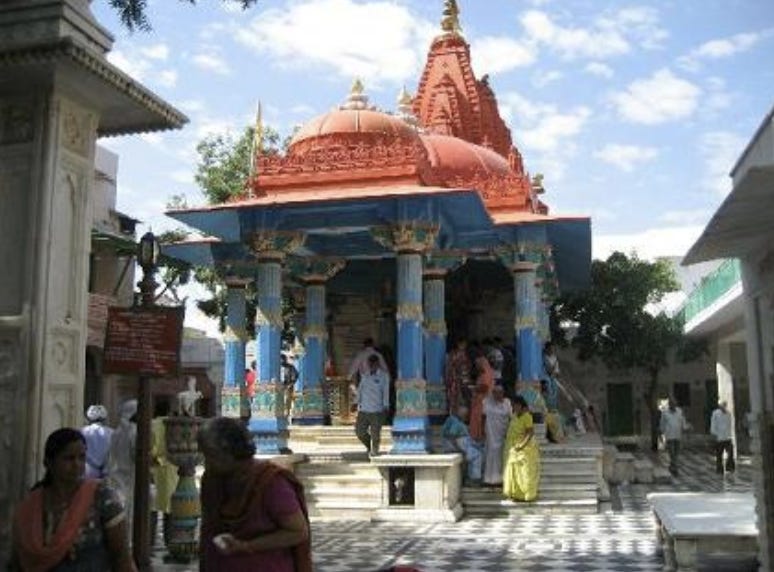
[97, 436]
[123, 444]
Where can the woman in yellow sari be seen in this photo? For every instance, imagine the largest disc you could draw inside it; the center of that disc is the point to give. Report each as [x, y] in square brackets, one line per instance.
[521, 455]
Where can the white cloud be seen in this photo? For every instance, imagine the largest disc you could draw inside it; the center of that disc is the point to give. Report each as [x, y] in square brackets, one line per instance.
[155, 52]
[499, 54]
[686, 216]
[544, 129]
[609, 35]
[599, 69]
[719, 151]
[133, 65]
[211, 62]
[302, 109]
[573, 43]
[658, 99]
[648, 244]
[376, 40]
[182, 176]
[167, 78]
[542, 79]
[640, 23]
[551, 130]
[626, 157]
[192, 105]
[721, 48]
[144, 64]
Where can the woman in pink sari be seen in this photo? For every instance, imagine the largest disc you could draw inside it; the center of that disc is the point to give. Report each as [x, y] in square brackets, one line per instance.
[484, 385]
[253, 512]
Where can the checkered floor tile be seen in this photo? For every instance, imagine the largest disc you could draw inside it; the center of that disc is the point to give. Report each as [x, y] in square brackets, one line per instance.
[622, 540]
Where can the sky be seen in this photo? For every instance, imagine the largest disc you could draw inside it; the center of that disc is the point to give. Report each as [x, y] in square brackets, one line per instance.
[635, 112]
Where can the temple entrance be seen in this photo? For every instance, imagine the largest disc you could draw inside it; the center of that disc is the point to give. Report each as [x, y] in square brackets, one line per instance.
[479, 301]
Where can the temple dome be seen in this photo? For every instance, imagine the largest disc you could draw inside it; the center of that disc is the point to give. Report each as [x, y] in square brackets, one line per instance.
[454, 155]
[353, 123]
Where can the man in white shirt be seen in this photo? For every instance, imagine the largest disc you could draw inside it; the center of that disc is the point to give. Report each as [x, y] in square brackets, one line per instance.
[359, 365]
[721, 426]
[373, 402]
[672, 426]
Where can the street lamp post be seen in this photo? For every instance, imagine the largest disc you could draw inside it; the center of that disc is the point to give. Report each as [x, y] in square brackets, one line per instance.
[147, 257]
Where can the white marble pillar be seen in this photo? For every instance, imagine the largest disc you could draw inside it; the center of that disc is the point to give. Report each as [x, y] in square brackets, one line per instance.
[758, 281]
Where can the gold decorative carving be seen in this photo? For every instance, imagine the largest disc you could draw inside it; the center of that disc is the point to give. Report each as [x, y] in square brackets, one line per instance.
[275, 244]
[235, 334]
[409, 311]
[315, 331]
[407, 236]
[265, 317]
[436, 328]
[523, 323]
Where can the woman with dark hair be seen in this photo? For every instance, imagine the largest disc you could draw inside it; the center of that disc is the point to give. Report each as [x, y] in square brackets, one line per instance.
[521, 455]
[253, 512]
[67, 523]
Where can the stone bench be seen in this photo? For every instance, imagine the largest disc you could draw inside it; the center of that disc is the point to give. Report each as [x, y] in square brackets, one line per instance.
[694, 524]
[420, 488]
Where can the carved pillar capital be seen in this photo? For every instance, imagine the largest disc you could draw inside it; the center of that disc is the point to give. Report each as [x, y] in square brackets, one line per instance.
[314, 270]
[410, 236]
[268, 245]
[439, 263]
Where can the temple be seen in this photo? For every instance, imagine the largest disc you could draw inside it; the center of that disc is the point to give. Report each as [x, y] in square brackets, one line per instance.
[407, 227]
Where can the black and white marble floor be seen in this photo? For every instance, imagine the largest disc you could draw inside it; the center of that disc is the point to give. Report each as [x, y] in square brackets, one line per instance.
[622, 540]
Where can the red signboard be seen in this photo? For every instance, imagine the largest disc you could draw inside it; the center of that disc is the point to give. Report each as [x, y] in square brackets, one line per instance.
[144, 341]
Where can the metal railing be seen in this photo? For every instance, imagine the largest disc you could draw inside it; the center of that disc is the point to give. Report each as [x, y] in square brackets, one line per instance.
[711, 289]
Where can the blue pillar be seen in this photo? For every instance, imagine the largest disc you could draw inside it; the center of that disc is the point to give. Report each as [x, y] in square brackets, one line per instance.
[310, 403]
[410, 426]
[232, 395]
[526, 339]
[433, 300]
[268, 422]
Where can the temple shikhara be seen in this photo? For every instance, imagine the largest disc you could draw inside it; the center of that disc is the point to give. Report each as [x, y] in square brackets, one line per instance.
[409, 227]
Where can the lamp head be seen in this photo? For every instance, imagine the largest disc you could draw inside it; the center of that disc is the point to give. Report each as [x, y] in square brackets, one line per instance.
[148, 250]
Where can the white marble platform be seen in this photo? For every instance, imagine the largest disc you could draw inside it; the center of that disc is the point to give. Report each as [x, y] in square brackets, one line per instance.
[691, 524]
[437, 488]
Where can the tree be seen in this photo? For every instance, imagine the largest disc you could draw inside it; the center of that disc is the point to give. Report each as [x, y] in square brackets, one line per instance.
[222, 174]
[133, 12]
[224, 162]
[616, 323]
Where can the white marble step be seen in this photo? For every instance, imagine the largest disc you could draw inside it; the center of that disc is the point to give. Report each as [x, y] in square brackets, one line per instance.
[541, 506]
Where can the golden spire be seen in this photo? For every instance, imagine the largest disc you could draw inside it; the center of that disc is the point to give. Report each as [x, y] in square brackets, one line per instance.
[257, 148]
[357, 99]
[357, 87]
[450, 23]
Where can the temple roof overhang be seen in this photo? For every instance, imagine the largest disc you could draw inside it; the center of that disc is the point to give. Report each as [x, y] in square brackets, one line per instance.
[341, 226]
[124, 105]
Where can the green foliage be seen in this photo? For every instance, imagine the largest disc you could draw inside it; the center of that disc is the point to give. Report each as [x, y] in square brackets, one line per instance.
[615, 326]
[133, 12]
[222, 175]
[224, 163]
[613, 323]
